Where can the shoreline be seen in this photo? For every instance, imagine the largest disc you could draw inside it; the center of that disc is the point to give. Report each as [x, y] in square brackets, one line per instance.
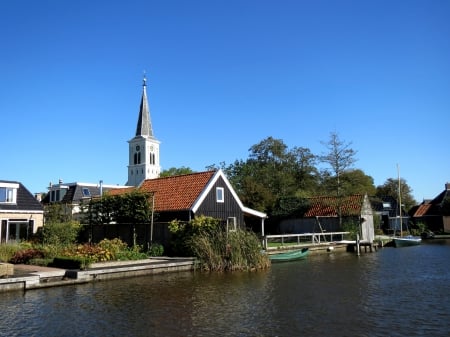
[27, 277]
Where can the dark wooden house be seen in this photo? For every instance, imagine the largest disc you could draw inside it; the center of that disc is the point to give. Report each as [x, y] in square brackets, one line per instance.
[185, 197]
[435, 213]
[207, 193]
[322, 216]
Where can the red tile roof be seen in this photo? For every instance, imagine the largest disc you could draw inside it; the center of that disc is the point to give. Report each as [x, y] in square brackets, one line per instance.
[422, 210]
[119, 191]
[327, 206]
[177, 192]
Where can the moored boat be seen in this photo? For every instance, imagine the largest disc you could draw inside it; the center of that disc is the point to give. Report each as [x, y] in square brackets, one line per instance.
[408, 240]
[289, 256]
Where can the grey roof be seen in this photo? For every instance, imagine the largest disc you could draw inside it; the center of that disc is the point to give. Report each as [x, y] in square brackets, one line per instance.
[79, 191]
[25, 200]
[392, 211]
[144, 126]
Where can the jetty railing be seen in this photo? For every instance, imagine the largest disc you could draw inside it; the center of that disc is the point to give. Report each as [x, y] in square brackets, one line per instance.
[304, 238]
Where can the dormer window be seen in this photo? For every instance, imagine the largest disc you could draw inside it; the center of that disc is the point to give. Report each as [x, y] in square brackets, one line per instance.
[8, 193]
[220, 194]
[57, 194]
[86, 193]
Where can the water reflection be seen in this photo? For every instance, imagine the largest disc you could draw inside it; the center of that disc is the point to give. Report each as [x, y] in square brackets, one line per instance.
[393, 292]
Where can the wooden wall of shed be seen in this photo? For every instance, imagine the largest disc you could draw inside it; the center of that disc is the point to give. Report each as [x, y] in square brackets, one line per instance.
[221, 210]
[309, 225]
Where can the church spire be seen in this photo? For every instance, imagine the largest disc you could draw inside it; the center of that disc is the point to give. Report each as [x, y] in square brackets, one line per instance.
[144, 126]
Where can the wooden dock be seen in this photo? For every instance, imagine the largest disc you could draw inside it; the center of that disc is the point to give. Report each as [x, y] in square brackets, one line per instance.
[317, 241]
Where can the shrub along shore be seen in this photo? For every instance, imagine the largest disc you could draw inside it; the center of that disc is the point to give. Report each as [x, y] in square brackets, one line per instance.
[202, 238]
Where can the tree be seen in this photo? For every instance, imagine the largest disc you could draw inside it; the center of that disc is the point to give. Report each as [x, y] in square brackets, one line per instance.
[274, 179]
[340, 157]
[390, 188]
[173, 171]
[357, 182]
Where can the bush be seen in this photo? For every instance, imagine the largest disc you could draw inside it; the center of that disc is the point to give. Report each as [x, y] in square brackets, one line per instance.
[71, 262]
[61, 233]
[24, 256]
[93, 253]
[7, 251]
[114, 247]
[133, 253]
[183, 231]
[218, 250]
[156, 249]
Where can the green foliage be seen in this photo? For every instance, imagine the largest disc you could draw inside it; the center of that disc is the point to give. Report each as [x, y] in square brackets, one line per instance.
[7, 251]
[156, 249]
[24, 256]
[418, 228]
[218, 250]
[88, 252]
[390, 188]
[114, 247]
[176, 171]
[183, 231]
[291, 207]
[71, 262]
[127, 208]
[351, 226]
[273, 173]
[133, 253]
[105, 250]
[60, 233]
[340, 157]
[205, 238]
[354, 181]
[57, 212]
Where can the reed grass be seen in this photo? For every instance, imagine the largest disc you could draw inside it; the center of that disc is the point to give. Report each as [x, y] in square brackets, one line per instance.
[7, 251]
[218, 250]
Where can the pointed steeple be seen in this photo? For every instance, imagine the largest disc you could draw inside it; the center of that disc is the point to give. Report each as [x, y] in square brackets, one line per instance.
[144, 126]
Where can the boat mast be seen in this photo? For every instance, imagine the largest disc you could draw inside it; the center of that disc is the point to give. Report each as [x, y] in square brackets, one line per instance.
[400, 201]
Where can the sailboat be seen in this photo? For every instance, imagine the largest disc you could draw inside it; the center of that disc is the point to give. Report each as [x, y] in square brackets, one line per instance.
[407, 240]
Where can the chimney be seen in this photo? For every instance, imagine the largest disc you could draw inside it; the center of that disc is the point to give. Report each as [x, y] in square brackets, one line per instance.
[447, 186]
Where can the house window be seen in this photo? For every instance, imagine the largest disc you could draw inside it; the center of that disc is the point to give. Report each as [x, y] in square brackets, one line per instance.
[220, 194]
[86, 192]
[231, 224]
[15, 230]
[57, 194]
[7, 195]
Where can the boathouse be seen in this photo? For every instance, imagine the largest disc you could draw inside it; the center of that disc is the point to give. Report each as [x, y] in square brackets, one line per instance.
[322, 216]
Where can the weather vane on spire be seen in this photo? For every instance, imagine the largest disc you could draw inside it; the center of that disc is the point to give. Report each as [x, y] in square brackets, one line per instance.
[145, 79]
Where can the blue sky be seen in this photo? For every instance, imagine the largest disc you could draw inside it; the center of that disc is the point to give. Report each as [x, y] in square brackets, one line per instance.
[223, 76]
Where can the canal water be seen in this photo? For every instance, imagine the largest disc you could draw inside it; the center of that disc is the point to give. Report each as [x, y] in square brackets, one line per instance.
[392, 292]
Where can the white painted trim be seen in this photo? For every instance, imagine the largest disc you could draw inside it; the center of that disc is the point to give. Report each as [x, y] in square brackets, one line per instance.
[254, 212]
[9, 185]
[210, 185]
[13, 211]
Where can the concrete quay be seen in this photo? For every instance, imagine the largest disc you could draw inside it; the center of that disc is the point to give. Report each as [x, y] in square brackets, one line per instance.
[28, 277]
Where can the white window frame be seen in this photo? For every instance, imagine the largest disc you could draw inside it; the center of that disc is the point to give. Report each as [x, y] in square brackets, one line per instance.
[11, 193]
[220, 194]
[231, 224]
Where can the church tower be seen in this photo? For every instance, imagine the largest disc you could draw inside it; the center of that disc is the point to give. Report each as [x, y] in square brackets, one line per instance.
[144, 147]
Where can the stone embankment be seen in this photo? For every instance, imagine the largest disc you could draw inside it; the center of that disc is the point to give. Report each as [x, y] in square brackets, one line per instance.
[25, 277]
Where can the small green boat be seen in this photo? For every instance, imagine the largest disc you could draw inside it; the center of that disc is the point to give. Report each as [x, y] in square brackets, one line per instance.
[406, 241]
[289, 256]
